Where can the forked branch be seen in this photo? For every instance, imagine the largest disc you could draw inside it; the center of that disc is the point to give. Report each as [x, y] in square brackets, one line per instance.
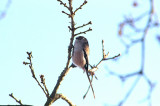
[32, 71]
[95, 68]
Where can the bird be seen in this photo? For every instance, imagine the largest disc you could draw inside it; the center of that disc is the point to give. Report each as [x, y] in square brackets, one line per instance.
[80, 56]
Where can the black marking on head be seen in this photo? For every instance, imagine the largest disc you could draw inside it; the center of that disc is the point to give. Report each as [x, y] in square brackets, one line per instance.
[80, 37]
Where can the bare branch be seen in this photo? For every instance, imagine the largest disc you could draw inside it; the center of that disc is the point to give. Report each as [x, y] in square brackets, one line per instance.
[84, 25]
[64, 4]
[32, 71]
[60, 79]
[67, 68]
[105, 56]
[69, 28]
[141, 40]
[130, 90]
[64, 98]
[85, 2]
[84, 32]
[103, 51]
[95, 68]
[44, 84]
[52, 97]
[18, 101]
[112, 57]
[66, 14]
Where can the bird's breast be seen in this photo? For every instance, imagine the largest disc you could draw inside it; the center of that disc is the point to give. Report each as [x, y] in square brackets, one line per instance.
[78, 58]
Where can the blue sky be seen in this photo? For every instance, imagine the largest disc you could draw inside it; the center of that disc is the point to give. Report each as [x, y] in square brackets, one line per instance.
[40, 27]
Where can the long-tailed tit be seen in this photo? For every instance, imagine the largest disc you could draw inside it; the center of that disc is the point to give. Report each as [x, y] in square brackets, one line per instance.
[80, 56]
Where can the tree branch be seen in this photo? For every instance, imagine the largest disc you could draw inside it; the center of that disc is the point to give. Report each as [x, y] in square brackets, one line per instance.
[18, 101]
[64, 4]
[44, 84]
[144, 31]
[60, 79]
[95, 68]
[104, 57]
[51, 99]
[32, 71]
[84, 32]
[84, 25]
[58, 96]
[66, 14]
[85, 2]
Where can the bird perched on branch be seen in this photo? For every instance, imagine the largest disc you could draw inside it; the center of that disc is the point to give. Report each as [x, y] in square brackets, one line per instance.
[80, 56]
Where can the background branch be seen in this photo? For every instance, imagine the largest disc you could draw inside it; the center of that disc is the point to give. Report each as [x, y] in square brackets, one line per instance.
[140, 73]
[3, 12]
[131, 33]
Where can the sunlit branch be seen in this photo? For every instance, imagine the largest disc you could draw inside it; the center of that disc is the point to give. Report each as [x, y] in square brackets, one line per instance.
[58, 96]
[44, 84]
[32, 71]
[18, 101]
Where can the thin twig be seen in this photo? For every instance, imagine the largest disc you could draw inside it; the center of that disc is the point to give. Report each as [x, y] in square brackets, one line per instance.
[66, 14]
[95, 68]
[18, 101]
[130, 91]
[84, 32]
[83, 25]
[80, 7]
[44, 84]
[112, 57]
[143, 45]
[64, 4]
[32, 71]
[105, 55]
